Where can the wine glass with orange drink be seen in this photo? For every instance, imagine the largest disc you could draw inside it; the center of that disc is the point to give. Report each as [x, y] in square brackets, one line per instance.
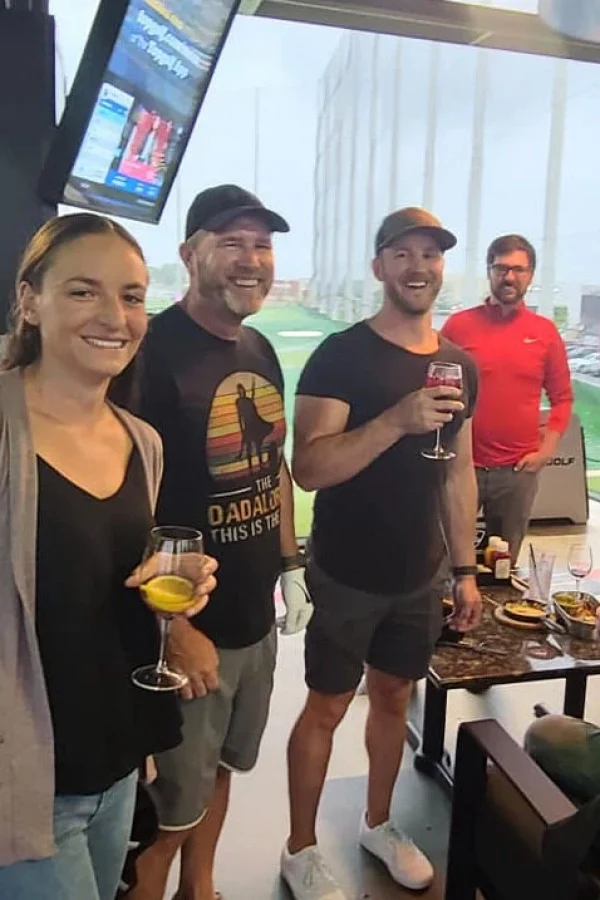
[171, 558]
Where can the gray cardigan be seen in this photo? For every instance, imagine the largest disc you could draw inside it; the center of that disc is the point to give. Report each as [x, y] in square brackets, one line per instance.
[26, 739]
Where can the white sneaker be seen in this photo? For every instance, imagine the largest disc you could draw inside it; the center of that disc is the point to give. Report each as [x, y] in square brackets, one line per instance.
[405, 862]
[308, 876]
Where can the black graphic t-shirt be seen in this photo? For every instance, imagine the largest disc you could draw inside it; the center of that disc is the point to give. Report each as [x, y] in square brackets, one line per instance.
[380, 531]
[218, 406]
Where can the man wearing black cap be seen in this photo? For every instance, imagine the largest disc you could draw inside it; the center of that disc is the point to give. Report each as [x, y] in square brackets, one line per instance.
[213, 389]
[382, 511]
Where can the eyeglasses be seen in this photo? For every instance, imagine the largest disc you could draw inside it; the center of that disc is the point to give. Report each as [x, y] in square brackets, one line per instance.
[502, 271]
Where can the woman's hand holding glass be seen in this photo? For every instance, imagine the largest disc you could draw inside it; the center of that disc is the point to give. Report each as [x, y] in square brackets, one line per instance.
[175, 578]
[194, 567]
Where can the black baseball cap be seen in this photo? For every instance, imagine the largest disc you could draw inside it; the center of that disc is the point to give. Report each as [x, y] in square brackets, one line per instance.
[410, 219]
[214, 208]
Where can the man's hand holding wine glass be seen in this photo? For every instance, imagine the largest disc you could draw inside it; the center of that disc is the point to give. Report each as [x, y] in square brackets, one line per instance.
[428, 409]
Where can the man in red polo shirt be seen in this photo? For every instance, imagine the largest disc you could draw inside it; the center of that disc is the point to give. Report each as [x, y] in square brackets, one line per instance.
[518, 354]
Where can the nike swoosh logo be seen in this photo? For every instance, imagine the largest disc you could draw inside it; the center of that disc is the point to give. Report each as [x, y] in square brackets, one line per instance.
[530, 340]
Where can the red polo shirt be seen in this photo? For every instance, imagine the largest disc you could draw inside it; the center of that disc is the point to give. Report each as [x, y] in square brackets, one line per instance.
[517, 357]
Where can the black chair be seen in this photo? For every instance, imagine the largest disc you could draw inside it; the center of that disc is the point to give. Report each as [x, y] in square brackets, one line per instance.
[514, 834]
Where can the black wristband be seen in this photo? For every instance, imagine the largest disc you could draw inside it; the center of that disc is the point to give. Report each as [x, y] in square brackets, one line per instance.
[292, 562]
[464, 571]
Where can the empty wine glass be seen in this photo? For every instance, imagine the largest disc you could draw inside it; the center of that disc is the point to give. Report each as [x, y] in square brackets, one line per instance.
[579, 563]
[442, 374]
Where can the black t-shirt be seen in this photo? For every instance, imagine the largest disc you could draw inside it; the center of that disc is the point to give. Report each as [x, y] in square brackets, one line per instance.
[218, 406]
[93, 631]
[380, 531]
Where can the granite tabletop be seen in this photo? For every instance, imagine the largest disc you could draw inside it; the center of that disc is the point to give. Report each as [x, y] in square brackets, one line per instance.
[502, 654]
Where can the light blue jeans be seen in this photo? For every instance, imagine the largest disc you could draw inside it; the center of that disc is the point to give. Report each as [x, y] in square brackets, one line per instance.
[91, 833]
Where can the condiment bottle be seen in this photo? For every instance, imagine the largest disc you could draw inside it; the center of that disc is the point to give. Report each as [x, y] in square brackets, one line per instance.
[501, 561]
[493, 542]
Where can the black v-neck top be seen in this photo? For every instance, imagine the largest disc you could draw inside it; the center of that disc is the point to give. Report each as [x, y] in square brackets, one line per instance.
[93, 631]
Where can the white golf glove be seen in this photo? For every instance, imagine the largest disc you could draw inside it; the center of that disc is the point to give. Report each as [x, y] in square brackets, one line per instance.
[296, 598]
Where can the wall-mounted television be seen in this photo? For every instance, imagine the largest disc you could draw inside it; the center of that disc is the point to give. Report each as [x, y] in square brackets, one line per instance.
[142, 79]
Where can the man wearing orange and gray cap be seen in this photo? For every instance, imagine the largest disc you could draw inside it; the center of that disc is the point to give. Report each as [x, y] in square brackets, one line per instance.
[363, 418]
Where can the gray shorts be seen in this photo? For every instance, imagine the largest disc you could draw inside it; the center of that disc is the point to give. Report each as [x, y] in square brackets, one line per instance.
[224, 728]
[394, 633]
[506, 498]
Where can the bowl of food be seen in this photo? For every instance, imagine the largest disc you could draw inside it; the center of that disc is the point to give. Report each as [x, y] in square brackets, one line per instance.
[523, 610]
[570, 601]
[577, 611]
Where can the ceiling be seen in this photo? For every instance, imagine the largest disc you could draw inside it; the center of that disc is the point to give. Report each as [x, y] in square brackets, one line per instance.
[452, 21]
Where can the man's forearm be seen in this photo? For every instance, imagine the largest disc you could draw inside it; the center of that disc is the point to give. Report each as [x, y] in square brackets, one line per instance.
[550, 443]
[333, 459]
[287, 529]
[459, 514]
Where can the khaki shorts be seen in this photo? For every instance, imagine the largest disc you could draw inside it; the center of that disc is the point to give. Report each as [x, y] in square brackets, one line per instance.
[224, 728]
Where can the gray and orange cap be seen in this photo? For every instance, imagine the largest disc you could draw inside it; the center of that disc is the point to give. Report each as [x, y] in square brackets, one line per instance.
[409, 220]
[216, 207]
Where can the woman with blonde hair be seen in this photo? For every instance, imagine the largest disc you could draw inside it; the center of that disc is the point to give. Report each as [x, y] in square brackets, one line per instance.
[79, 479]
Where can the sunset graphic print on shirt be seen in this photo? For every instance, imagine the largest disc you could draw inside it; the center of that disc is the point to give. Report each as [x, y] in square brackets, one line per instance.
[246, 428]
[245, 437]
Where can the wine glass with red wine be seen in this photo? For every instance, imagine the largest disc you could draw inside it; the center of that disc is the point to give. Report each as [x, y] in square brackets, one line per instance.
[442, 374]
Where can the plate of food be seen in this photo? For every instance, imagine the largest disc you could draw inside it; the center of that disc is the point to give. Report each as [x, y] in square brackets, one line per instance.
[525, 611]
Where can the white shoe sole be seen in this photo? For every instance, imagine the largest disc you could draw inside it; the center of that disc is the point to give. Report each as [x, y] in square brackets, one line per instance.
[409, 887]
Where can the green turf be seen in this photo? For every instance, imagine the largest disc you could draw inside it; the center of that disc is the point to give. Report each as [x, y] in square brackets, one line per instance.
[293, 353]
[587, 407]
[594, 484]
